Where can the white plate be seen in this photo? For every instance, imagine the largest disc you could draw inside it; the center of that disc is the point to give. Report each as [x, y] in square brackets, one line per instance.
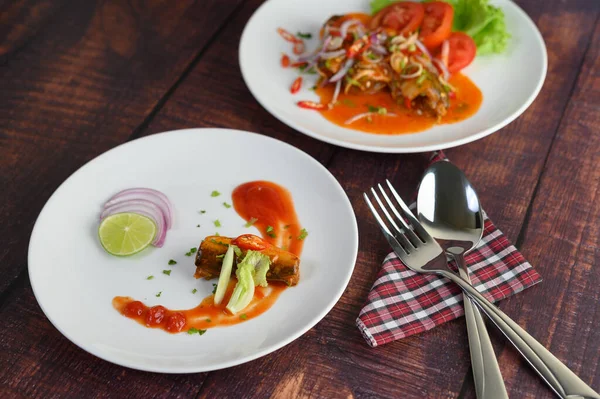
[509, 82]
[74, 280]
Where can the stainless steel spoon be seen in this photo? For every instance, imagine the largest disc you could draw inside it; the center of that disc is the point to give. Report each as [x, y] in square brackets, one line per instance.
[448, 208]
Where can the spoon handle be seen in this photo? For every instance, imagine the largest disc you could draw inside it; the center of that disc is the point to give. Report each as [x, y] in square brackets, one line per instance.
[486, 372]
[558, 376]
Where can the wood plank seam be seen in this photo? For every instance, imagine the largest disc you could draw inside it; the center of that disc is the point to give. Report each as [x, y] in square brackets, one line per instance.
[137, 132]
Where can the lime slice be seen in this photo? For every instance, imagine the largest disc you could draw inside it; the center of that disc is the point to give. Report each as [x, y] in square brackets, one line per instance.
[125, 234]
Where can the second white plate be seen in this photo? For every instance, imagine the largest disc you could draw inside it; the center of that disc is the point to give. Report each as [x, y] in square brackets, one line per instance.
[509, 81]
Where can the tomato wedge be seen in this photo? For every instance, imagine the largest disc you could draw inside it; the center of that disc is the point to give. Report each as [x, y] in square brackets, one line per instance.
[462, 51]
[437, 24]
[402, 17]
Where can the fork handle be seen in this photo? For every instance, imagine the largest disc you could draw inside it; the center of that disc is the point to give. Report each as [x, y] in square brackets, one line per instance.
[486, 371]
[558, 376]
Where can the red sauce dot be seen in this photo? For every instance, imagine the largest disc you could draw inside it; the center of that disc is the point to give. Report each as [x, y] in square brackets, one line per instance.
[155, 315]
[134, 309]
[175, 322]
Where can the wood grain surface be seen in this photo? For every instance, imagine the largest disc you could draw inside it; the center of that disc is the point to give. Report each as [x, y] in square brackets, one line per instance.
[80, 77]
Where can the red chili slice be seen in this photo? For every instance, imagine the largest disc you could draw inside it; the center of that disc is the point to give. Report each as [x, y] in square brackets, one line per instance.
[250, 241]
[296, 85]
[288, 36]
[299, 47]
[285, 61]
[311, 105]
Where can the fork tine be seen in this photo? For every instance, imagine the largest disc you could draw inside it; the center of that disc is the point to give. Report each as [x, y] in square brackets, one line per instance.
[414, 240]
[409, 215]
[400, 234]
[386, 232]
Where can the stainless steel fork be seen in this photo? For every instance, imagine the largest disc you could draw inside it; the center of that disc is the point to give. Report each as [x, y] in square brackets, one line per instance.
[421, 253]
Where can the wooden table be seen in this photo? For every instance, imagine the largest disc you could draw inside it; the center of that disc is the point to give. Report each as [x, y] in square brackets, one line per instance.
[78, 78]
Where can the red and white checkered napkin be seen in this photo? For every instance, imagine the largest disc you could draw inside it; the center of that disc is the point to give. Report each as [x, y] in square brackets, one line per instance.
[402, 302]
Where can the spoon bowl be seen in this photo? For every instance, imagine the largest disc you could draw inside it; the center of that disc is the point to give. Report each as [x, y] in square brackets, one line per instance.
[449, 209]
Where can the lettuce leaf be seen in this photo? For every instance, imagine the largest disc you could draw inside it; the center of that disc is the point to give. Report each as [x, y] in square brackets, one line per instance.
[483, 22]
[251, 272]
[378, 5]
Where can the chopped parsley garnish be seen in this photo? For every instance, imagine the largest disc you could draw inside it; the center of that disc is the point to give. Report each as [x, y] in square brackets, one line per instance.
[193, 250]
[167, 272]
[194, 291]
[194, 330]
[377, 110]
[198, 226]
[202, 211]
[217, 242]
[208, 320]
[349, 103]
[217, 234]
[270, 232]
[287, 226]
[251, 222]
[243, 316]
[149, 277]
[303, 234]
[215, 193]
[172, 262]
[159, 294]
[371, 56]
[226, 205]
[217, 223]
[214, 288]
[269, 229]
[313, 88]
[304, 35]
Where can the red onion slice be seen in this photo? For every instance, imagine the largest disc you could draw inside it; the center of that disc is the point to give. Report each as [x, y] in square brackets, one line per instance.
[333, 54]
[316, 53]
[422, 47]
[146, 194]
[336, 93]
[442, 67]
[145, 208]
[346, 25]
[342, 72]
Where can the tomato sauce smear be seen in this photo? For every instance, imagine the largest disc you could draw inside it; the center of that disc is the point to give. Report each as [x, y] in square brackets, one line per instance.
[272, 208]
[204, 316]
[467, 102]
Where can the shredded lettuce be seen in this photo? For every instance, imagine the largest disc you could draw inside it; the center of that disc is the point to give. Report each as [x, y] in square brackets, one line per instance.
[477, 18]
[225, 274]
[260, 278]
[251, 271]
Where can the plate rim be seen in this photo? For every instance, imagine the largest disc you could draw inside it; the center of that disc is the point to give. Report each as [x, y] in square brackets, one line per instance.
[91, 349]
[409, 149]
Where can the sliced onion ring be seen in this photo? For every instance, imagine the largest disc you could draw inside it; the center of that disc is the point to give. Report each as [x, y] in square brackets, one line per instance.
[440, 64]
[146, 194]
[347, 24]
[145, 208]
[342, 72]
